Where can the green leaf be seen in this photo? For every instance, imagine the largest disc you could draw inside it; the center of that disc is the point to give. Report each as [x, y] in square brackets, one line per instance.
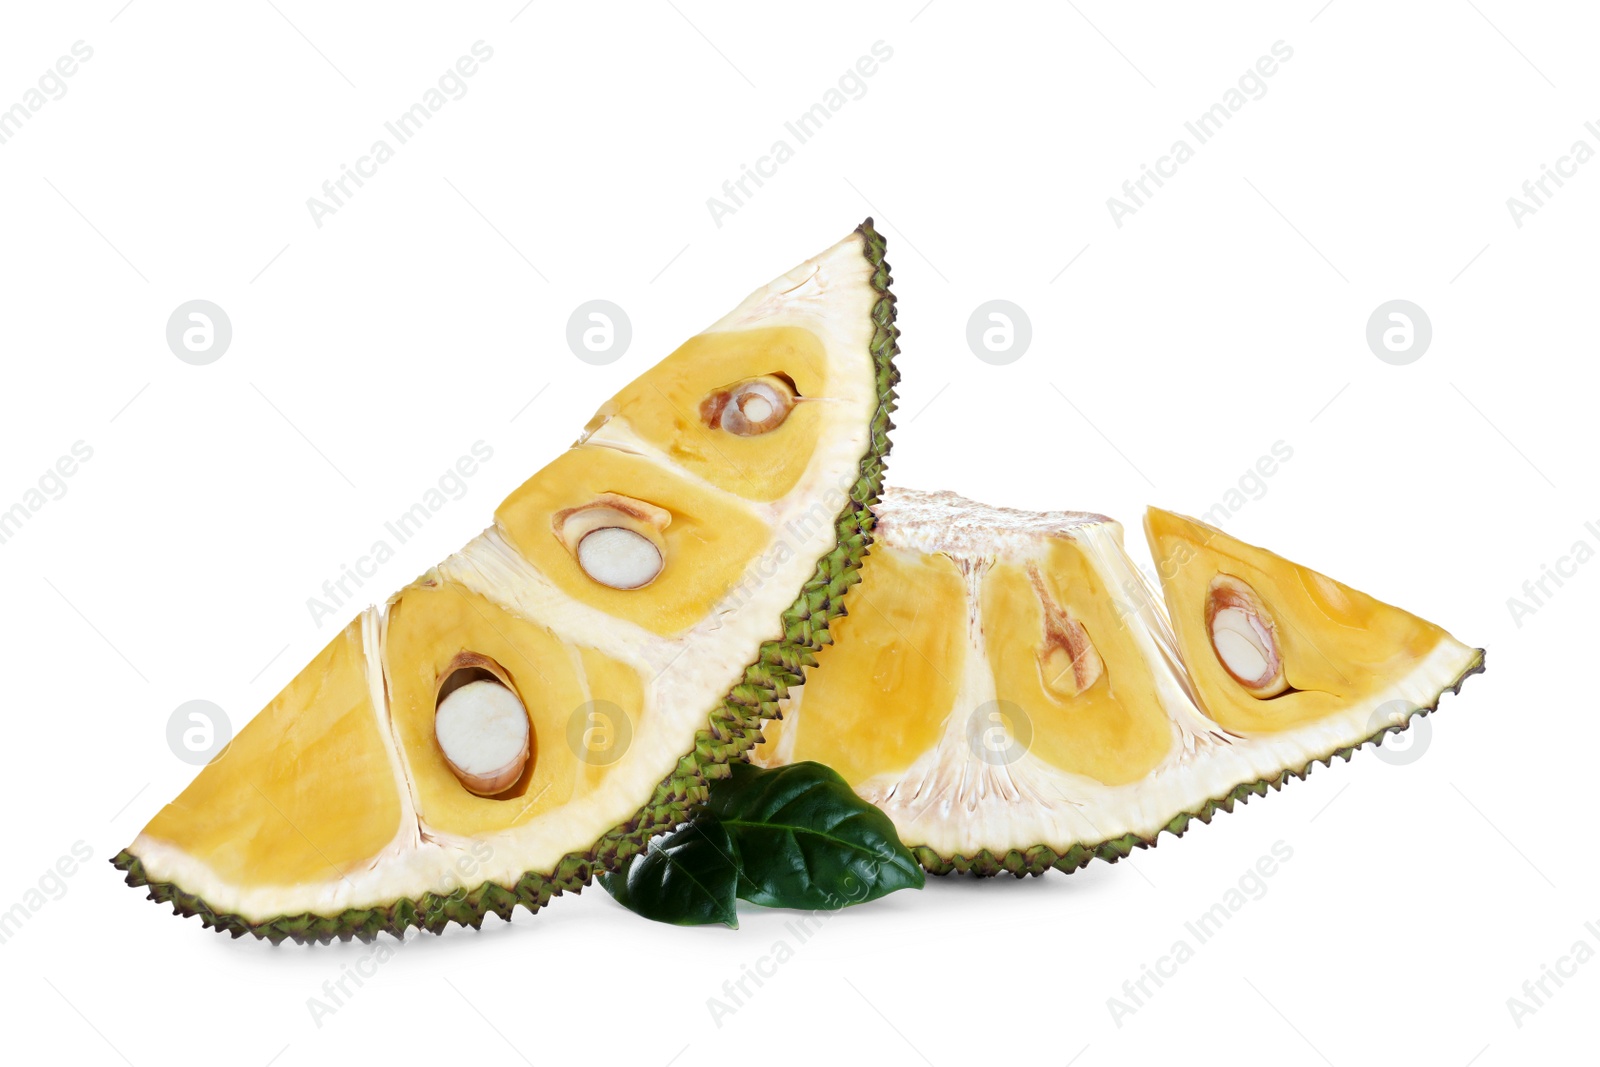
[687, 877]
[805, 840]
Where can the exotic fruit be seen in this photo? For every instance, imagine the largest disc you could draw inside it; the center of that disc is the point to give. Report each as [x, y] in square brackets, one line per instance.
[529, 712]
[1009, 690]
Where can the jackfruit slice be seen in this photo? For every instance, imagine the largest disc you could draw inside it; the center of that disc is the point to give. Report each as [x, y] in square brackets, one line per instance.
[643, 601]
[1009, 689]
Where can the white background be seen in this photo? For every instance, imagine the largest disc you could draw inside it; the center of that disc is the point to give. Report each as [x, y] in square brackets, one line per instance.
[1226, 315]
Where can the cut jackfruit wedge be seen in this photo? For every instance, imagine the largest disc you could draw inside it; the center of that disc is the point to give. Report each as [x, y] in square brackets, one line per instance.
[530, 711]
[1009, 689]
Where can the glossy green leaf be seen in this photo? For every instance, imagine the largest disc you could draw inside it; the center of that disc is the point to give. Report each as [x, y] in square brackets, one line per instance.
[688, 877]
[805, 840]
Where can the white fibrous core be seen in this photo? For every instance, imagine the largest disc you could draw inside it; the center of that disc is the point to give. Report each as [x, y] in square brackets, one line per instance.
[619, 557]
[482, 729]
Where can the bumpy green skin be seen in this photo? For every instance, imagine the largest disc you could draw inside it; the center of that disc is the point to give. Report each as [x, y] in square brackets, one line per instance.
[1041, 858]
[733, 730]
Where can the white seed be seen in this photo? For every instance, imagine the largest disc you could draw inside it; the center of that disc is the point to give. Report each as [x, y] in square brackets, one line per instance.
[619, 557]
[752, 407]
[756, 407]
[1245, 637]
[1243, 649]
[482, 729]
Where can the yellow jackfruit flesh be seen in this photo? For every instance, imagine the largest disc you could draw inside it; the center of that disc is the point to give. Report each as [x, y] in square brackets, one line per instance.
[1010, 690]
[643, 600]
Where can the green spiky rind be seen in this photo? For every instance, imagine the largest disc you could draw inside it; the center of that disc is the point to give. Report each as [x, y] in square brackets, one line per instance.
[733, 729]
[1041, 858]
